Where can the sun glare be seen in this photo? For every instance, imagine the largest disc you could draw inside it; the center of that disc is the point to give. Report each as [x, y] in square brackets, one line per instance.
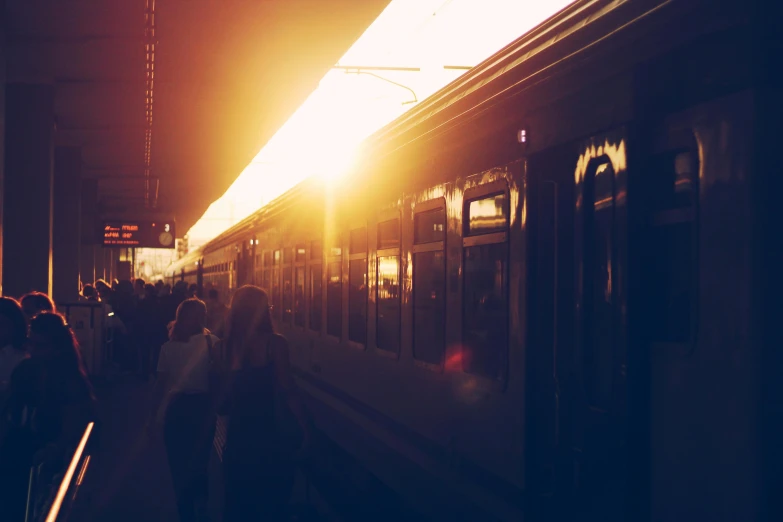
[323, 135]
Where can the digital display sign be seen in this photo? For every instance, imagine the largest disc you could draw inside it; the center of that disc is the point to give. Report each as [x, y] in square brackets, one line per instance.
[138, 234]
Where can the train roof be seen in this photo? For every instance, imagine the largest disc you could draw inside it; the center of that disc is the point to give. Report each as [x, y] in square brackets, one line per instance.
[528, 60]
[500, 76]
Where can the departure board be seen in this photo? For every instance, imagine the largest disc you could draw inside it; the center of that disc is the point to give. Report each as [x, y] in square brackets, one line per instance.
[138, 234]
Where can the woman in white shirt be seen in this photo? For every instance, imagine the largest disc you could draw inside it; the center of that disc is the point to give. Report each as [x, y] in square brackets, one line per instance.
[189, 421]
[13, 338]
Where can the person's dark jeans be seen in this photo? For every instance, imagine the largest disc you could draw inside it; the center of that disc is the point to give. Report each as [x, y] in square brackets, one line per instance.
[188, 432]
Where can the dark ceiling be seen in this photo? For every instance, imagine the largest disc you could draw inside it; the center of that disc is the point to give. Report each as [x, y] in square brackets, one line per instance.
[227, 74]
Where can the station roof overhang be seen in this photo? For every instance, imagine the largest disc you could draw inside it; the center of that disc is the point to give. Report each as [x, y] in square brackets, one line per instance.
[225, 75]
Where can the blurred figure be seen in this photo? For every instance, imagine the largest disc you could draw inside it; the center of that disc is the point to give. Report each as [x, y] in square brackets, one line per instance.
[124, 304]
[89, 293]
[170, 303]
[50, 402]
[13, 337]
[216, 313]
[34, 303]
[165, 290]
[193, 290]
[258, 462]
[139, 285]
[104, 291]
[159, 287]
[150, 331]
[189, 421]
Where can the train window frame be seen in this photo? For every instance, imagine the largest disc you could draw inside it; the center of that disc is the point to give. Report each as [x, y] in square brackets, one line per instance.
[287, 263]
[276, 278]
[478, 193]
[351, 257]
[314, 257]
[300, 263]
[479, 239]
[373, 263]
[674, 140]
[334, 254]
[424, 247]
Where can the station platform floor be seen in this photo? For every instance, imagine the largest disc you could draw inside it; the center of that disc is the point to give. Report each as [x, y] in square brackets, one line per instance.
[128, 477]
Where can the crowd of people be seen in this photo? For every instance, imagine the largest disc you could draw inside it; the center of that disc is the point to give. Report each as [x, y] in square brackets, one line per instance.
[46, 398]
[210, 361]
[139, 314]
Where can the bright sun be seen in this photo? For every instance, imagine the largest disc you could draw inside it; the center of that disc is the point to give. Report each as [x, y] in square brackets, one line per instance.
[323, 135]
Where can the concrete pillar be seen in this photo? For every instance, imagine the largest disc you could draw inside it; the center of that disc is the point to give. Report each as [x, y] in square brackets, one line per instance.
[108, 265]
[28, 183]
[89, 225]
[100, 270]
[67, 218]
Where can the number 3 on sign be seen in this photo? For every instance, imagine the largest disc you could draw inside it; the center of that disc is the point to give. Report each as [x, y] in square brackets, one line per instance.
[167, 227]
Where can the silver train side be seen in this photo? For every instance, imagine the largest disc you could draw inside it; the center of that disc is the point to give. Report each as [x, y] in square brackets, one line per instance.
[550, 290]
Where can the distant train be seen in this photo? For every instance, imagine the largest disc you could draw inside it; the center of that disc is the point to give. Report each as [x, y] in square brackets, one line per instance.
[553, 289]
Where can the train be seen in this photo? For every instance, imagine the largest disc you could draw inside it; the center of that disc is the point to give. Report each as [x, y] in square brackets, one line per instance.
[551, 290]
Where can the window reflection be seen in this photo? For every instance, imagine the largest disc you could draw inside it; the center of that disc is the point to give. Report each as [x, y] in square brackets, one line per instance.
[334, 299]
[429, 226]
[429, 302]
[485, 306]
[299, 306]
[276, 286]
[388, 304]
[287, 296]
[358, 242]
[488, 214]
[389, 234]
[316, 298]
[357, 301]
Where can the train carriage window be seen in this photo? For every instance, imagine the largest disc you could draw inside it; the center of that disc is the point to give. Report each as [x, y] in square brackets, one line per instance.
[288, 295]
[357, 301]
[276, 285]
[672, 242]
[357, 287]
[429, 286]
[358, 243]
[334, 298]
[485, 290]
[299, 256]
[387, 288]
[315, 289]
[389, 234]
[299, 306]
[316, 251]
[266, 282]
[429, 226]
[489, 214]
[299, 282]
[598, 347]
[316, 297]
[388, 304]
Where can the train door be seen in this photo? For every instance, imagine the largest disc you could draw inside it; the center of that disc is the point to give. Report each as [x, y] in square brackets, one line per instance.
[549, 351]
[598, 416]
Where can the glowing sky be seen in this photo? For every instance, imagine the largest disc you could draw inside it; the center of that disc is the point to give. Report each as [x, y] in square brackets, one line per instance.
[319, 139]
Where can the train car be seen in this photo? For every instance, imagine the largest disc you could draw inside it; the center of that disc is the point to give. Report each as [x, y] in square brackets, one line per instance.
[548, 291]
[187, 269]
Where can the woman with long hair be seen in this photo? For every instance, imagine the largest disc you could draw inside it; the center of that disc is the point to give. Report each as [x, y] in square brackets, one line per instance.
[258, 472]
[49, 405]
[188, 420]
